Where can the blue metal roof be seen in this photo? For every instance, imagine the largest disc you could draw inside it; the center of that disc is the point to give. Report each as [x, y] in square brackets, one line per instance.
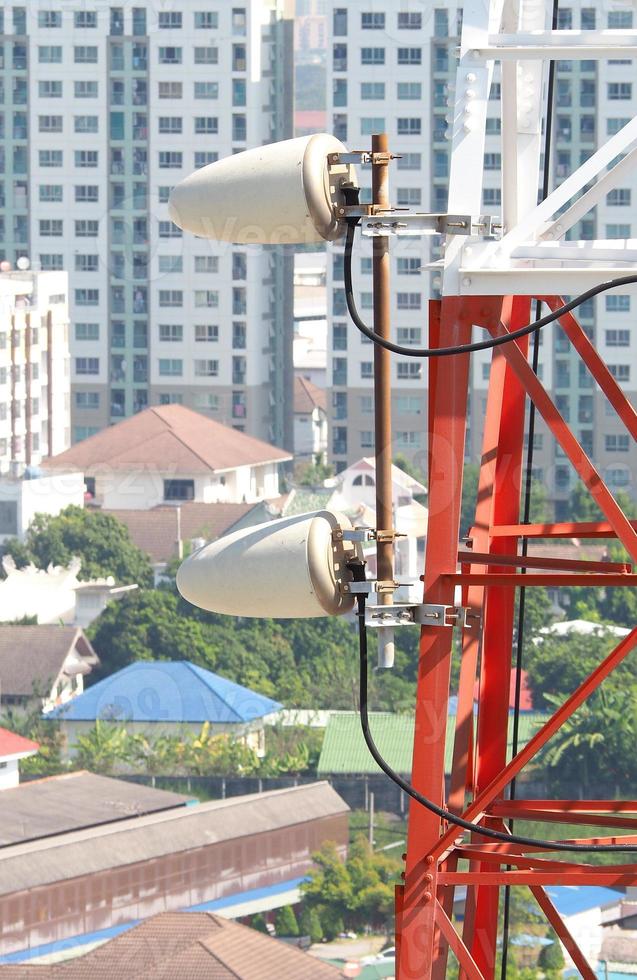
[166, 691]
[571, 899]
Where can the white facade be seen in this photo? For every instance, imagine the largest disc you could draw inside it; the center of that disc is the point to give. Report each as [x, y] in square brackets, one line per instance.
[24, 496]
[34, 368]
[393, 70]
[119, 103]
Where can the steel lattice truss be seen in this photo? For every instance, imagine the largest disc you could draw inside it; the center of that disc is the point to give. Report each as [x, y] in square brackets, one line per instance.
[492, 284]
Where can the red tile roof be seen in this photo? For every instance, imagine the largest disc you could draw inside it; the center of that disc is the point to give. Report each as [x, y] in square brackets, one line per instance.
[184, 946]
[155, 531]
[308, 396]
[167, 437]
[12, 744]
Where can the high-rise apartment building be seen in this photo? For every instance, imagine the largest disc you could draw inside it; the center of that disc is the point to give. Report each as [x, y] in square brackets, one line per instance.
[34, 367]
[105, 108]
[392, 69]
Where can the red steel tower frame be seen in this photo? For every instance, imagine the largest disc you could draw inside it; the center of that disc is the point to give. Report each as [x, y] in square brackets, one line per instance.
[489, 570]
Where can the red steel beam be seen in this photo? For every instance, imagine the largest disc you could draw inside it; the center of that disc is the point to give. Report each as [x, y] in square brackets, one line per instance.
[563, 933]
[526, 561]
[584, 876]
[565, 529]
[508, 808]
[563, 579]
[533, 746]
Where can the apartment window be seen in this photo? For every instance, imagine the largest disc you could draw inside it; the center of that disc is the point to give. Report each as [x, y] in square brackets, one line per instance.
[408, 371]
[170, 263]
[619, 197]
[621, 372]
[367, 300]
[493, 127]
[409, 335]
[374, 21]
[86, 228]
[49, 18]
[206, 333]
[205, 368]
[170, 56]
[87, 297]
[169, 20]
[206, 56]
[170, 124]
[339, 21]
[409, 126]
[85, 54]
[87, 193]
[163, 194]
[87, 331]
[618, 338]
[87, 365]
[367, 369]
[565, 19]
[239, 264]
[50, 227]
[492, 161]
[617, 303]
[207, 90]
[409, 56]
[50, 54]
[492, 196]
[408, 266]
[339, 336]
[339, 57]
[618, 91]
[407, 405]
[85, 90]
[86, 263]
[85, 124]
[407, 440]
[50, 158]
[171, 367]
[207, 297]
[206, 20]
[408, 21]
[370, 91]
[206, 263]
[85, 19]
[239, 301]
[87, 400]
[239, 127]
[614, 125]
[410, 161]
[617, 443]
[50, 124]
[170, 90]
[373, 56]
[171, 332]
[51, 262]
[409, 91]
[408, 301]
[408, 196]
[168, 230]
[171, 297]
[170, 159]
[239, 58]
[206, 125]
[372, 124]
[86, 158]
[50, 90]
[621, 20]
[618, 231]
[203, 157]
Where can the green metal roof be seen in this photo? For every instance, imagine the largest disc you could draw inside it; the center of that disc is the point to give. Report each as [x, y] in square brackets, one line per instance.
[344, 749]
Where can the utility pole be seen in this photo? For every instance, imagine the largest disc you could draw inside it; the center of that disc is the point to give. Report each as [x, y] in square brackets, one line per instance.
[382, 399]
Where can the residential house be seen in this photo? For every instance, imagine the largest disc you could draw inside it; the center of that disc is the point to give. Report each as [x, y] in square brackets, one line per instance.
[185, 944]
[12, 748]
[165, 696]
[55, 595]
[171, 454]
[310, 422]
[43, 665]
[28, 490]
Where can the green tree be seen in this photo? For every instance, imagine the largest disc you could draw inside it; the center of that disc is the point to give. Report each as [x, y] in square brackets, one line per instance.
[206, 754]
[313, 474]
[99, 540]
[258, 922]
[310, 924]
[104, 748]
[551, 958]
[285, 923]
[46, 732]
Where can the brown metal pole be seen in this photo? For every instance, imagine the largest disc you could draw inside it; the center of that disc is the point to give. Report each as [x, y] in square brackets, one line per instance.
[382, 399]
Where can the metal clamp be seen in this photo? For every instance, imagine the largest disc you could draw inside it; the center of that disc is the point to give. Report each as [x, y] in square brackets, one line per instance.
[425, 614]
[359, 534]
